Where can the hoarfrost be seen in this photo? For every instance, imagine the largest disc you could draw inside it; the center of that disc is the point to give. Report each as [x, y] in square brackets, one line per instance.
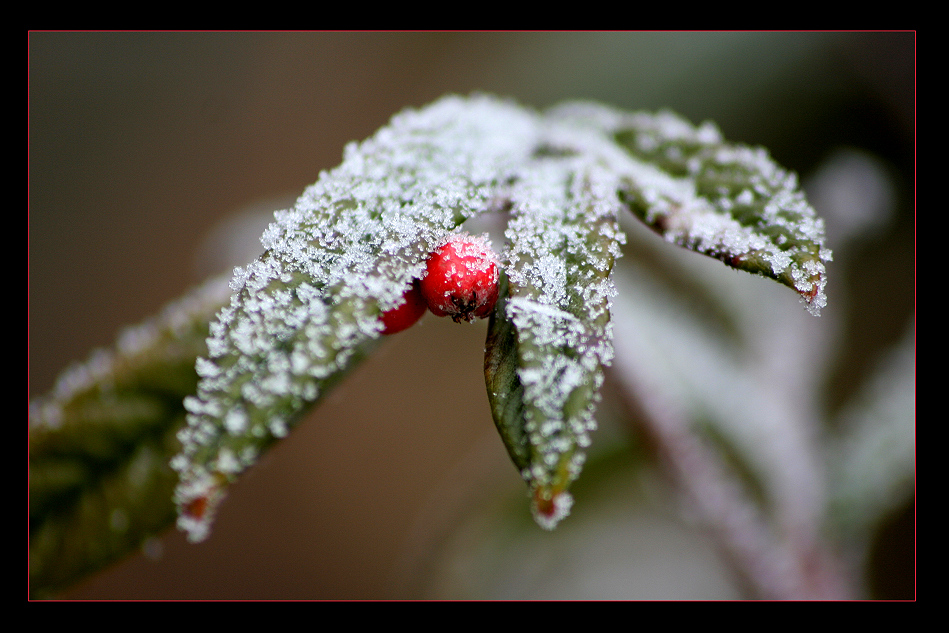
[340, 257]
[731, 202]
[353, 242]
[136, 347]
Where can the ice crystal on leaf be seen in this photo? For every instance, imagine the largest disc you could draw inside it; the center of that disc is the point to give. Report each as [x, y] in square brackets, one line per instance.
[726, 201]
[351, 246]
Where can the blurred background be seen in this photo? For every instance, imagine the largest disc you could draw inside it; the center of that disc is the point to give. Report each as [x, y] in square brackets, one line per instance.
[142, 144]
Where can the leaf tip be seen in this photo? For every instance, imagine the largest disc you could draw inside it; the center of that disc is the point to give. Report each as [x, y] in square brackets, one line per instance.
[197, 504]
[550, 507]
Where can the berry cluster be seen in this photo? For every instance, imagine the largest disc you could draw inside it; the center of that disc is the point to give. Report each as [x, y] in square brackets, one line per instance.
[461, 281]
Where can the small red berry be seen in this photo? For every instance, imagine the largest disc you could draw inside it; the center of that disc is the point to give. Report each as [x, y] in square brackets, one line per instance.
[407, 314]
[462, 279]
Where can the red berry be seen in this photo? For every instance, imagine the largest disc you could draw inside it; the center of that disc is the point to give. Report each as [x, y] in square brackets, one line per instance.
[462, 279]
[407, 314]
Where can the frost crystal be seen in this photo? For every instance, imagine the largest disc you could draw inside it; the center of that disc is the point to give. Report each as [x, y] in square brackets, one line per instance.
[353, 243]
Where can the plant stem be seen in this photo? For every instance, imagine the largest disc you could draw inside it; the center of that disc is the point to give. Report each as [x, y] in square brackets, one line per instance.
[768, 567]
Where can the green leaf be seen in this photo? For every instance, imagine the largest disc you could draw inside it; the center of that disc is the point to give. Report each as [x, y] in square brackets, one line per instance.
[347, 251]
[357, 238]
[100, 443]
[306, 311]
[505, 391]
[550, 335]
[727, 201]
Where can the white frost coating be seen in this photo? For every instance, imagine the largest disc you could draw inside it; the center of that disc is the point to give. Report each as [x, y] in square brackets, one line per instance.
[134, 346]
[334, 262]
[561, 509]
[563, 239]
[353, 242]
[733, 203]
[227, 462]
[235, 420]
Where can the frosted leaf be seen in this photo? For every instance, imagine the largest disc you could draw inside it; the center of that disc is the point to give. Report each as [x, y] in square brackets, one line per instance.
[550, 336]
[100, 442]
[727, 201]
[310, 306]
